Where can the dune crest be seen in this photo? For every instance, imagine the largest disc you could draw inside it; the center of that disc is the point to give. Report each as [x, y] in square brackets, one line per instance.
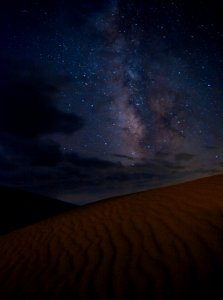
[160, 244]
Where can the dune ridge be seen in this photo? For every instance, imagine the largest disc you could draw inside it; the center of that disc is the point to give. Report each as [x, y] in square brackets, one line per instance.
[160, 244]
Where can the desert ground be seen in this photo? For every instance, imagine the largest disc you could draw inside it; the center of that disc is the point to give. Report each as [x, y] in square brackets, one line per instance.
[165, 243]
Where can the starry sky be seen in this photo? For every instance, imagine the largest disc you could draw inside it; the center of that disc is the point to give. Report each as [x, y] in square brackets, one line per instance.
[103, 98]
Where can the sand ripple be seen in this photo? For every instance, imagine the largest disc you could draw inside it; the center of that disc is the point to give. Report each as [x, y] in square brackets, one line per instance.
[160, 244]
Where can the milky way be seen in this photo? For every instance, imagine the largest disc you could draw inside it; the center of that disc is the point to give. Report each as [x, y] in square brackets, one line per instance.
[127, 125]
[115, 97]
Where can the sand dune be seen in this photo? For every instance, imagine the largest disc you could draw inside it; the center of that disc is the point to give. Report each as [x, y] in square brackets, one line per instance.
[160, 244]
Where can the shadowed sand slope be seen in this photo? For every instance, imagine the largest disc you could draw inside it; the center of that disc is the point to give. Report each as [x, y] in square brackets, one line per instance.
[19, 208]
[160, 244]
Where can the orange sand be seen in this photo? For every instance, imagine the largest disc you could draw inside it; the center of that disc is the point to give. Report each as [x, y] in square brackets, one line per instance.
[160, 244]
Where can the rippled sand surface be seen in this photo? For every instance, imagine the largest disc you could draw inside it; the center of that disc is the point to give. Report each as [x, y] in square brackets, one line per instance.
[159, 244]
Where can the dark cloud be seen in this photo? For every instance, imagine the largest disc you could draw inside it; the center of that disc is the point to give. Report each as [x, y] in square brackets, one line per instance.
[184, 156]
[5, 163]
[162, 154]
[28, 108]
[211, 147]
[29, 114]
[89, 163]
[123, 156]
[29, 117]
[209, 172]
[33, 152]
[165, 164]
[128, 177]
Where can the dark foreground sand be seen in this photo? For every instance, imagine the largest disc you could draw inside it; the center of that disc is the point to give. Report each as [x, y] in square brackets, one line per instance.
[161, 244]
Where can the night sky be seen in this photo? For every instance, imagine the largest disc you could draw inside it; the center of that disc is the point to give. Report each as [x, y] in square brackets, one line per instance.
[102, 98]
